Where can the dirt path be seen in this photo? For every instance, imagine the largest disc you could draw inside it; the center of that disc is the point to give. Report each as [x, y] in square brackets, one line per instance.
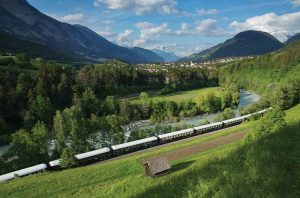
[201, 147]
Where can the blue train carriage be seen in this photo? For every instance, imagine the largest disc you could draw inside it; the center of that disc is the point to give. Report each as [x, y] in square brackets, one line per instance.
[93, 156]
[134, 145]
[169, 137]
[208, 128]
[23, 172]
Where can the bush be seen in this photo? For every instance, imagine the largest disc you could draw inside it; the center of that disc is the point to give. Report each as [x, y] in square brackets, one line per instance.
[271, 122]
[166, 90]
[67, 158]
[225, 115]
[261, 104]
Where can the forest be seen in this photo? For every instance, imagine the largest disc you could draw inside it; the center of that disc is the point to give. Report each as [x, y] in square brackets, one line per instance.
[51, 110]
[276, 76]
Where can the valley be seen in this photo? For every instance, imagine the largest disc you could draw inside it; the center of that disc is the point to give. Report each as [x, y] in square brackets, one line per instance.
[149, 98]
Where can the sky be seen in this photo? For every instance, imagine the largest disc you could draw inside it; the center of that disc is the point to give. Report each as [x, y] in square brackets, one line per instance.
[181, 26]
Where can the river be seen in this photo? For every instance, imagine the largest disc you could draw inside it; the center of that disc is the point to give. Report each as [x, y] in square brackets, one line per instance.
[246, 98]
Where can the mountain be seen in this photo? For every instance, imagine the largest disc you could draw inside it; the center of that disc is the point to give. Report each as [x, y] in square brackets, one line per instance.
[148, 54]
[19, 19]
[168, 56]
[296, 37]
[246, 43]
[201, 56]
[10, 43]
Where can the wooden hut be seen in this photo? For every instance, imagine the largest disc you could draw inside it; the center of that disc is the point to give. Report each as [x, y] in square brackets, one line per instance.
[156, 167]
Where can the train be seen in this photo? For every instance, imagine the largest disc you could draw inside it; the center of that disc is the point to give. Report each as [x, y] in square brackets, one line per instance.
[128, 147]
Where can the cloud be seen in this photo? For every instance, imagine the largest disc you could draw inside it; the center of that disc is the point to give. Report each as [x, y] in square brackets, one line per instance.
[278, 25]
[185, 26]
[206, 26]
[77, 18]
[296, 3]
[142, 25]
[108, 22]
[185, 29]
[140, 7]
[124, 37]
[209, 27]
[149, 32]
[203, 11]
[107, 33]
[181, 50]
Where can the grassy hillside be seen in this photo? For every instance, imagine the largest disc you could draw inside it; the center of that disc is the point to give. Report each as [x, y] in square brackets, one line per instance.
[258, 170]
[182, 95]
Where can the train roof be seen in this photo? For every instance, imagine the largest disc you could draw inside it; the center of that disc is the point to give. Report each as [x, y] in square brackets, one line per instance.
[176, 133]
[133, 143]
[32, 169]
[7, 177]
[208, 125]
[262, 111]
[232, 119]
[92, 153]
[22, 172]
[54, 163]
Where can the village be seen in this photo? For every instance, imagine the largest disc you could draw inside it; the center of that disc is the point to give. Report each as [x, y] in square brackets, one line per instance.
[210, 65]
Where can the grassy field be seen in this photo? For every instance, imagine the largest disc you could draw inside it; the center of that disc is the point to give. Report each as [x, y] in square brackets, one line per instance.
[179, 96]
[263, 169]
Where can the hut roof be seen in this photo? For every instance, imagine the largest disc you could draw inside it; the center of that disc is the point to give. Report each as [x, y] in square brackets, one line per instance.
[157, 165]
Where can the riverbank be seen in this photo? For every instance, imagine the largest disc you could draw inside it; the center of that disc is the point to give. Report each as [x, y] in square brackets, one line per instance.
[246, 98]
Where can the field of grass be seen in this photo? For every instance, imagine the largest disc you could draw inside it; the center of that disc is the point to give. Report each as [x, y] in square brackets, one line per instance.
[182, 95]
[269, 168]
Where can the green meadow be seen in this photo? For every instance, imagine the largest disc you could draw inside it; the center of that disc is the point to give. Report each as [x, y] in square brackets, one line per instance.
[181, 95]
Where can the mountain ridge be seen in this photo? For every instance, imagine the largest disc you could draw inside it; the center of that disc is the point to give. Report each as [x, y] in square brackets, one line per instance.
[295, 37]
[168, 56]
[22, 20]
[247, 43]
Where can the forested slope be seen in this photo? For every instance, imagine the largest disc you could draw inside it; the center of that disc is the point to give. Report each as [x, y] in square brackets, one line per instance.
[276, 75]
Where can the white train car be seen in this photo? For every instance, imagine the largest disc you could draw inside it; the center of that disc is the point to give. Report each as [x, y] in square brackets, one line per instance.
[54, 164]
[233, 121]
[31, 170]
[246, 117]
[134, 145]
[259, 113]
[102, 153]
[176, 135]
[23, 172]
[208, 127]
[7, 177]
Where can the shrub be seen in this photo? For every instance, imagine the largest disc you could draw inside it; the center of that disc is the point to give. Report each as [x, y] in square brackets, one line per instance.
[225, 115]
[271, 122]
[67, 158]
